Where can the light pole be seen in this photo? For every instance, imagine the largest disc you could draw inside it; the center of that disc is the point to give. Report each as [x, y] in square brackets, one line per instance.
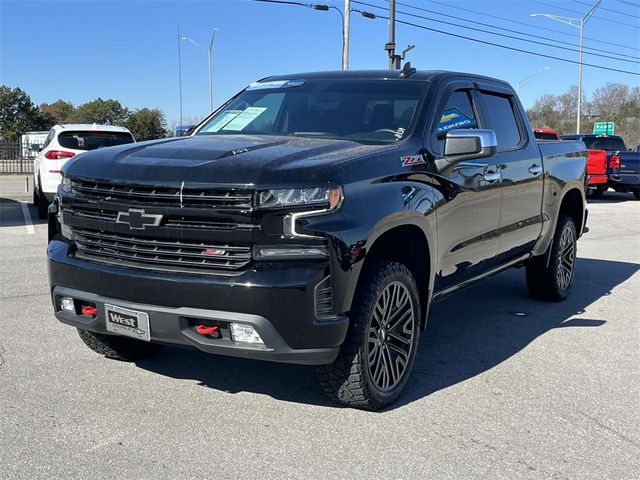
[210, 52]
[578, 23]
[346, 25]
[536, 73]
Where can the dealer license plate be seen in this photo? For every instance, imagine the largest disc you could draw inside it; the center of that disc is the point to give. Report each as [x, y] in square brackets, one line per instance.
[129, 323]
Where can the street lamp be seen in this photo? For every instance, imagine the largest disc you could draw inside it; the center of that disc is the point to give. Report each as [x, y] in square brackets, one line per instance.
[536, 73]
[209, 51]
[346, 25]
[578, 23]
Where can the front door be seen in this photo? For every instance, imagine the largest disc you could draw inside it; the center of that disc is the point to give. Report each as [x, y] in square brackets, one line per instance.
[469, 211]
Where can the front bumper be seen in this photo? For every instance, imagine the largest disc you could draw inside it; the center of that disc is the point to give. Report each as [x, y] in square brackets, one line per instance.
[278, 301]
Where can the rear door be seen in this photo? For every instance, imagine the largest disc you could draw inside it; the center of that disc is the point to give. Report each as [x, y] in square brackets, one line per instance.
[520, 164]
[468, 219]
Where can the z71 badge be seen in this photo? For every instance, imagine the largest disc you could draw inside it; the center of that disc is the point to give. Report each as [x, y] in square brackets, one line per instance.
[411, 160]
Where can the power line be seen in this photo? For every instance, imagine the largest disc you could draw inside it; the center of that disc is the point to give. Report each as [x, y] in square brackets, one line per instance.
[506, 47]
[513, 37]
[513, 31]
[609, 9]
[582, 14]
[529, 25]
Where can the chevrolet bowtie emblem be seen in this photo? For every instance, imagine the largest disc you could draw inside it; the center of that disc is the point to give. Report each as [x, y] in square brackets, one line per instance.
[138, 219]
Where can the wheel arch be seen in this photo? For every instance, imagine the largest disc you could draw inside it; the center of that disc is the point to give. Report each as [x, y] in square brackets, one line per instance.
[409, 243]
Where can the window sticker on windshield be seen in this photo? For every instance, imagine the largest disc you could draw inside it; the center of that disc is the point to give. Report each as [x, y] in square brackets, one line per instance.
[454, 118]
[222, 120]
[240, 122]
[275, 84]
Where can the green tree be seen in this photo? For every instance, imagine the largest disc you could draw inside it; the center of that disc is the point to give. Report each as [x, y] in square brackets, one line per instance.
[57, 112]
[104, 112]
[147, 124]
[18, 114]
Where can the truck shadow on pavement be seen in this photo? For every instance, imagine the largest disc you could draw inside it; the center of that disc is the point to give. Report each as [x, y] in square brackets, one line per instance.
[12, 215]
[467, 334]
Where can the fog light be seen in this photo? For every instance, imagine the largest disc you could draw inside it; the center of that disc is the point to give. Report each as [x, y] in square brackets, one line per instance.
[67, 304]
[66, 231]
[241, 332]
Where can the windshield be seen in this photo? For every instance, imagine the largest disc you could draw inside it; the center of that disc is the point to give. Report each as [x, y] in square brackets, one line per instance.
[610, 144]
[367, 111]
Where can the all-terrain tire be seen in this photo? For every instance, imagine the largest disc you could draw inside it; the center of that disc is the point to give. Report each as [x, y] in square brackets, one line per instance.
[119, 348]
[351, 380]
[553, 282]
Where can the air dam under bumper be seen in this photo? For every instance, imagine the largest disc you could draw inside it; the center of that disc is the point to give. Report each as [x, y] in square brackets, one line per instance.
[277, 302]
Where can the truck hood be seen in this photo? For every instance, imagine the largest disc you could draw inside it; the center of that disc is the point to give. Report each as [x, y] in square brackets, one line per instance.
[240, 160]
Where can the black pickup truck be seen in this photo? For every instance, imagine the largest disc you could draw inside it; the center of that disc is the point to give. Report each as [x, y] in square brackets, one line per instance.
[312, 219]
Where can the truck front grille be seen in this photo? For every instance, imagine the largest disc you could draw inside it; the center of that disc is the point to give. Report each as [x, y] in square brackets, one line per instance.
[159, 254]
[184, 197]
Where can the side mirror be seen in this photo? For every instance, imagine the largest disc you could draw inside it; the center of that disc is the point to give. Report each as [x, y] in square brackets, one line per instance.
[468, 144]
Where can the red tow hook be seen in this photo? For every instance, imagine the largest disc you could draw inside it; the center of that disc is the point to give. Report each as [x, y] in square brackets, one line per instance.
[89, 310]
[204, 330]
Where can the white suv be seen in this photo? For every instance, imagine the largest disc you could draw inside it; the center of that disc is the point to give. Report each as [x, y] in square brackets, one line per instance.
[62, 143]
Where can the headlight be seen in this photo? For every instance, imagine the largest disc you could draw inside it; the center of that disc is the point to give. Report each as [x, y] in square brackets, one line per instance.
[331, 197]
[66, 184]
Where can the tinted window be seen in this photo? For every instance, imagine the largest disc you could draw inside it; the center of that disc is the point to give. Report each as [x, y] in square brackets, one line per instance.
[93, 140]
[457, 114]
[503, 120]
[545, 136]
[365, 111]
[610, 144]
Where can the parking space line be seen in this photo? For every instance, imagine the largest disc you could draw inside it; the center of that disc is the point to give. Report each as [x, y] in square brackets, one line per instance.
[27, 218]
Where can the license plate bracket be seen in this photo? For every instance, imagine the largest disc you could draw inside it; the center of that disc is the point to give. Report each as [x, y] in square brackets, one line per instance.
[127, 322]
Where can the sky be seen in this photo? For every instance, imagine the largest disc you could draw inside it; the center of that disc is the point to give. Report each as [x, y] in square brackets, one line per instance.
[128, 49]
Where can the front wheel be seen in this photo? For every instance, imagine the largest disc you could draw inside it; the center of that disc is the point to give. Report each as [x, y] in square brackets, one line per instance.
[552, 282]
[377, 356]
[636, 194]
[118, 348]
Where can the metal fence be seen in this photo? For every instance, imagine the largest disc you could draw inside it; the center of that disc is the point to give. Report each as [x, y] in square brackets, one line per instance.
[16, 158]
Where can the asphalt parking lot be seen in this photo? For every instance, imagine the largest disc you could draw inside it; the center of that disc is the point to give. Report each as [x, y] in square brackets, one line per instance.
[551, 394]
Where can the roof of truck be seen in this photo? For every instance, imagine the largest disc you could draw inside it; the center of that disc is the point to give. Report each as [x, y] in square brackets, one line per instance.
[377, 75]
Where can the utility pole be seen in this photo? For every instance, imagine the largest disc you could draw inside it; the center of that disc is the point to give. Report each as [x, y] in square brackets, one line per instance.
[391, 46]
[345, 34]
[179, 77]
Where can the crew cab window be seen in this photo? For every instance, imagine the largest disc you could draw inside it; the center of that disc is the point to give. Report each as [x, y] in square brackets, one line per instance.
[502, 120]
[458, 114]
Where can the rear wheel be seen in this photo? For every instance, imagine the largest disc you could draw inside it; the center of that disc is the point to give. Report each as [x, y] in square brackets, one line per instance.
[36, 198]
[119, 348]
[43, 203]
[636, 194]
[377, 356]
[597, 192]
[552, 282]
